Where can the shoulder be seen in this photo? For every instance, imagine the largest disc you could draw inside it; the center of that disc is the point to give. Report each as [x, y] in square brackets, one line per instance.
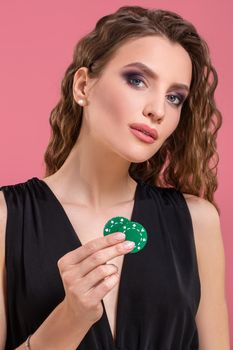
[206, 222]
[207, 236]
[203, 213]
[10, 196]
[18, 189]
[212, 311]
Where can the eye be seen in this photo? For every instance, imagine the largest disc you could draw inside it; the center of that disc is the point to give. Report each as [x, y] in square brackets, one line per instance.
[134, 79]
[178, 98]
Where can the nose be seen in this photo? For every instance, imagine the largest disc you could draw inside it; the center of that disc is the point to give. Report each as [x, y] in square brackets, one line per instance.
[155, 109]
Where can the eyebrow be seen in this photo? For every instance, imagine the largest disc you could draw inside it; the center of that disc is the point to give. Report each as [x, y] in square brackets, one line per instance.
[153, 75]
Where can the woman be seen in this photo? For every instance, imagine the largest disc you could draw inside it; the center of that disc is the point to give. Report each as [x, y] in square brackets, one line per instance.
[139, 71]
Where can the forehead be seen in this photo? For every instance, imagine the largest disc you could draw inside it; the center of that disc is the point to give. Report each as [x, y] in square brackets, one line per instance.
[169, 60]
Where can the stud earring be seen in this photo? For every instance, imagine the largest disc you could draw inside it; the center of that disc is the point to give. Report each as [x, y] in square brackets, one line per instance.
[81, 102]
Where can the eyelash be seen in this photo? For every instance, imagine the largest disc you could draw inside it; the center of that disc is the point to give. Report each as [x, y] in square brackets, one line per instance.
[135, 76]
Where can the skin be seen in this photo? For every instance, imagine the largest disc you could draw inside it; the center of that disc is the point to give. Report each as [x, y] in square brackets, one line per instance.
[96, 171]
[114, 104]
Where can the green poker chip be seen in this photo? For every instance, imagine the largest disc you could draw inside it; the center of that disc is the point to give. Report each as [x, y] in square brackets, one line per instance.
[116, 224]
[133, 230]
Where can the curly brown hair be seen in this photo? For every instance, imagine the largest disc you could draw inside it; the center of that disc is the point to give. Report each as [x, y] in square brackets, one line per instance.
[188, 159]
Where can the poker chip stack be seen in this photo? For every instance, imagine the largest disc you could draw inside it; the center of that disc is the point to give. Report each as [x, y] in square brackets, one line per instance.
[134, 231]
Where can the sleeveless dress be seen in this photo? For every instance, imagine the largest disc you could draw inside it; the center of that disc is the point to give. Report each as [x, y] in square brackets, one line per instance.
[159, 289]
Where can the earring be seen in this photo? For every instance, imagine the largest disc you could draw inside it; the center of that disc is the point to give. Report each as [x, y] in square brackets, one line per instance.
[82, 102]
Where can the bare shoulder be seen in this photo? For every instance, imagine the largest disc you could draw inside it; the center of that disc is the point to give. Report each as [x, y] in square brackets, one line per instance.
[212, 315]
[201, 210]
[206, 222]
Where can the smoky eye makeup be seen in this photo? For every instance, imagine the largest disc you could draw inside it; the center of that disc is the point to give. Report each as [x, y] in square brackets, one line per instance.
[129, 74]
[133, 75]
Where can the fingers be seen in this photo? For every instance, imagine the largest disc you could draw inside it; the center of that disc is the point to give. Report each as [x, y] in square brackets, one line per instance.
[97, 275]
[104, 287]
[84, 270]
[102, 256]
[77, 255]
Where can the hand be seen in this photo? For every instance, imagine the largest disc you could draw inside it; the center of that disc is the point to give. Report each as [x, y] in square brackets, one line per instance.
[87, 278]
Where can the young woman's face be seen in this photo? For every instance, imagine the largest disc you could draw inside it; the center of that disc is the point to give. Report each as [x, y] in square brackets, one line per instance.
[126, 95]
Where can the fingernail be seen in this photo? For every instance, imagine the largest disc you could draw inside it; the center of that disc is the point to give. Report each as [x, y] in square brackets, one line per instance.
[119, 235]
[129, 244]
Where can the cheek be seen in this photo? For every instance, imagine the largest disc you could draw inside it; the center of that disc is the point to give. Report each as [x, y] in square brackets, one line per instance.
[175, 122]
[171, 124]
[114, 105]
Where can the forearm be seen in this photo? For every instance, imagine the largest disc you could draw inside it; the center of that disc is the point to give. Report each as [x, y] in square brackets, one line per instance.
[57, 332]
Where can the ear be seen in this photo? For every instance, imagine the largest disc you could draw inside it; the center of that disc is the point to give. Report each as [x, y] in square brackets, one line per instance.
[80, 83]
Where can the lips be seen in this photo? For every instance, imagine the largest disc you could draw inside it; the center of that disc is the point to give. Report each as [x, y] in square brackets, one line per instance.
[146, 129]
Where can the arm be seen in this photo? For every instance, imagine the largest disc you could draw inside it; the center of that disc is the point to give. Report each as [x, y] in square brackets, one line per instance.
[212, 315]
[58, 331]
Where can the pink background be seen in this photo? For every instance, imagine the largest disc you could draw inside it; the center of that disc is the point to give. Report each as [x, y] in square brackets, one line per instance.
[36, 45]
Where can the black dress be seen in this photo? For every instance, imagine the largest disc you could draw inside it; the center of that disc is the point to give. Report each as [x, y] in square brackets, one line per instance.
[159, 289]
